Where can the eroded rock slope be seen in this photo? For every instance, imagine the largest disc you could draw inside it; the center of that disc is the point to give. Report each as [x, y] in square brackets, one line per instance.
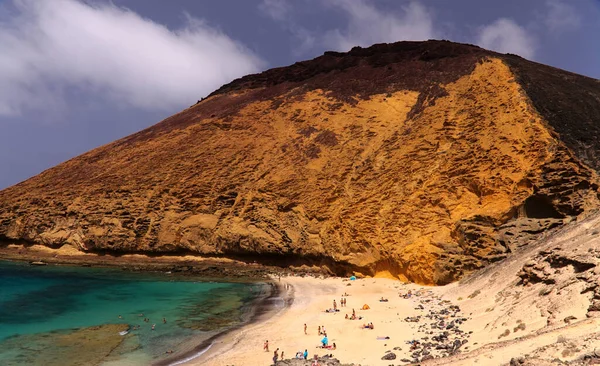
[426, 160]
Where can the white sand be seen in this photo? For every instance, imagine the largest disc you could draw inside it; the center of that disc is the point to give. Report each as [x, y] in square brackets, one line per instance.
[285, 331]
[493, 300]
[311, 297]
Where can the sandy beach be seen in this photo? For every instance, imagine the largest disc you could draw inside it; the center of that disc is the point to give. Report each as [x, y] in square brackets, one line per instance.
[538, 306]
[541, 304]
[485, 345]
[311, 297]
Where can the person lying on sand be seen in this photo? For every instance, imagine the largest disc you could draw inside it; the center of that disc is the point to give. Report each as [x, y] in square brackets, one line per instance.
[332, 347]
[383, 300]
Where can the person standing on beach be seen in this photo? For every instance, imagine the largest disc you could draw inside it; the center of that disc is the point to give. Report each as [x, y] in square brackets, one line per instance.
[266, 346]
[319, 330]
[334, 305]
[275, 356]
[305, 328]
[305, 354]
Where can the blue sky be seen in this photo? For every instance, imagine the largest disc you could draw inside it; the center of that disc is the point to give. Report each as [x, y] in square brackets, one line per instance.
[75, 75]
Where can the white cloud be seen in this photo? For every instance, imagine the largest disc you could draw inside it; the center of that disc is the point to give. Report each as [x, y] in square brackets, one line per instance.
[506, 36]
[49, 47]
[365, 24]
[561, 16]
[368, 25]
[281, 11]
[276, 9]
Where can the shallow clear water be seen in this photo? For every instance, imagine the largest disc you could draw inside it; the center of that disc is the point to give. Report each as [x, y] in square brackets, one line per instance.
[37, 300]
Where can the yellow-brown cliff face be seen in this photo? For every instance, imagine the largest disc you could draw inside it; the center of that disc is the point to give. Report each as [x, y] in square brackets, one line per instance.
[423, 160]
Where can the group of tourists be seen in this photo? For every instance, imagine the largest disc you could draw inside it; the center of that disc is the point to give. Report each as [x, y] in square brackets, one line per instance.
[277, 356]
[324, 344]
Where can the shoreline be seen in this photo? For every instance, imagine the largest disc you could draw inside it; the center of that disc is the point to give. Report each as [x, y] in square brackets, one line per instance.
[259, 310]
[264, 311]
[309, 297]
[494, 326]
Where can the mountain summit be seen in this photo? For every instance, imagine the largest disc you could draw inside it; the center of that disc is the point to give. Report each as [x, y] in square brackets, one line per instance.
[420, 160]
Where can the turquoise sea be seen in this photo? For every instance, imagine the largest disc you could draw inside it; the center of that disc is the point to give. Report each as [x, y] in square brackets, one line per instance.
[58, 315]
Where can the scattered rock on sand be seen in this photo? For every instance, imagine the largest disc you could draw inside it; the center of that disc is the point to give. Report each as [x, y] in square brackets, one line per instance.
[323, 361]
[389, 356]
[517, 361]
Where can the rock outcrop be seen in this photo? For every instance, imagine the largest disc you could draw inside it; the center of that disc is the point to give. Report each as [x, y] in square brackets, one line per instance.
[426, 160]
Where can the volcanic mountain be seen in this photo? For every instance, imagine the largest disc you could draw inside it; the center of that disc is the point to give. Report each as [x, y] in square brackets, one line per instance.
[421, 160]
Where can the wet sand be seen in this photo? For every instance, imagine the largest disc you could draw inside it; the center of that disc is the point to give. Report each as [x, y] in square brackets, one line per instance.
[262, 308]
[308, 298]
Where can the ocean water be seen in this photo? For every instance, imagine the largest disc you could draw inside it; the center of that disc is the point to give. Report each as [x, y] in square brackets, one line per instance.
[51, 314]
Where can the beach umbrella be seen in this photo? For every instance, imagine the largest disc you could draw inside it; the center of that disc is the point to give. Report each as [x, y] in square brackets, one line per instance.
[352, 278]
